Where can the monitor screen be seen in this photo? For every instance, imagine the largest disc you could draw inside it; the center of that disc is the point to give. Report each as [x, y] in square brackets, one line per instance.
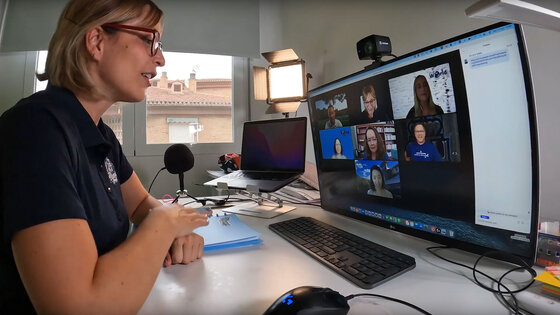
[440, 143]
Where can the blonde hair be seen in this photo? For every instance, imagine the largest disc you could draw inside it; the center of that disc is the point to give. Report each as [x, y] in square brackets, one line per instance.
[417, 107]
[368, 89]
[66, 64]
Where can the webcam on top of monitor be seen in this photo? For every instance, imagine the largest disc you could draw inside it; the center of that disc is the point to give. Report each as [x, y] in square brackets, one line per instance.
[373, 47]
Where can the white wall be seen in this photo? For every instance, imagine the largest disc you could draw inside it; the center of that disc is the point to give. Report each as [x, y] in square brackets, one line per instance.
[324, 33]
[17, 77]
[270, 26]
[544, 48]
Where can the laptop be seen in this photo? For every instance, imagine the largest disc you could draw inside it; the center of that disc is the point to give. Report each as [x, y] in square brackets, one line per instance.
[272, 155]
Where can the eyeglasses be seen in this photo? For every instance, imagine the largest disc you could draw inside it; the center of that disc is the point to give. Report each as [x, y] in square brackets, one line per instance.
[371, 101]
[154, 42]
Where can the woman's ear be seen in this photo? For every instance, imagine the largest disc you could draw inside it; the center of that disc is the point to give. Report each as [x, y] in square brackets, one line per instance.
[94, 42]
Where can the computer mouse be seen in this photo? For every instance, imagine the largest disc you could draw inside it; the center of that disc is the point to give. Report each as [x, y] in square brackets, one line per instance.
[309, 300]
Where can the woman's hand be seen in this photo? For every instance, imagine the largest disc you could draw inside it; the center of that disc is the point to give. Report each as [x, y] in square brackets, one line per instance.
[185, 249]
[182, 220]
[188, 247]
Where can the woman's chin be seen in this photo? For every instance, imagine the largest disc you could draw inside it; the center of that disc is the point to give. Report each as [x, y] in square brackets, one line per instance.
[134, 98]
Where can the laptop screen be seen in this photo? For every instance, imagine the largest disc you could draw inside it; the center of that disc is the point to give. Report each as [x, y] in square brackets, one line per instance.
[274, 145]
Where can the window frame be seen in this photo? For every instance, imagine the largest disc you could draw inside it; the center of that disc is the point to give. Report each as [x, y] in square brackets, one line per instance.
[127, 120]
[240, 113]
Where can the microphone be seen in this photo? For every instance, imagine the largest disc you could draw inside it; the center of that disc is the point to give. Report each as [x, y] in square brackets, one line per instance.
[178, 159]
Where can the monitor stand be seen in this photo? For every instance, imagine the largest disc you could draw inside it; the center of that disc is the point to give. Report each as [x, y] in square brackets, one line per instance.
[262, 205]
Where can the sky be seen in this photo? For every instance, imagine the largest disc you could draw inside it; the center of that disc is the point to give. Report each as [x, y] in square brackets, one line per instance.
[180, 65]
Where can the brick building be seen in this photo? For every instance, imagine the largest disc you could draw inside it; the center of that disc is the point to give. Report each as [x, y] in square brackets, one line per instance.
[198, 112]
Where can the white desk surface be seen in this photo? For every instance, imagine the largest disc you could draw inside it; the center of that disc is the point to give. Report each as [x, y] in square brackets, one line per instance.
[248, 280]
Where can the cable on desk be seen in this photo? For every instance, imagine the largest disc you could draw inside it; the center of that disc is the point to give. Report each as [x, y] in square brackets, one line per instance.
[304, 203]
[228, 195]
[513, 307]
[188, 203]
[351, 296]
[218, 202]
[236, 199]
[288, 202]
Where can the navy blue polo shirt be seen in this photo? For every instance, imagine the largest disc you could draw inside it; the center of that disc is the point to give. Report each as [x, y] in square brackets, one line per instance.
[57, 164]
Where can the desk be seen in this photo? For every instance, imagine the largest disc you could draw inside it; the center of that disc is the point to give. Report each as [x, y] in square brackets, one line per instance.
[246, 281]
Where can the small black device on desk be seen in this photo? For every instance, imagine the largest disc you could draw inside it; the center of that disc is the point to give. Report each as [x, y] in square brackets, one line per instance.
[309, 300]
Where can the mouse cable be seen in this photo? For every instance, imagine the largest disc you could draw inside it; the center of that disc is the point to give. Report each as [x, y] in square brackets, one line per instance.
[513, 305]
[153, 180]
[351, 296]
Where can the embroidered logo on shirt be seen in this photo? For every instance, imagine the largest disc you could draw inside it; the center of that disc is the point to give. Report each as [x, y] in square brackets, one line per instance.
[111, 171]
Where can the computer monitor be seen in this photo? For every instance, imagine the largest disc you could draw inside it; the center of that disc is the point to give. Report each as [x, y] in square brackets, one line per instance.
[440, 143]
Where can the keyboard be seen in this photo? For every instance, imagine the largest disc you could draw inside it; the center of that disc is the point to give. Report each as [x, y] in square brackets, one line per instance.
[363, 262]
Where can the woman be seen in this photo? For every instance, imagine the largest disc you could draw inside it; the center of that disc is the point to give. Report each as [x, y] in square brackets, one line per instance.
[370, 102]
[377, 183]
[67, 251]
[420, 149]
[423, 103]
[372, 112]
[375, 146]
[337, 150]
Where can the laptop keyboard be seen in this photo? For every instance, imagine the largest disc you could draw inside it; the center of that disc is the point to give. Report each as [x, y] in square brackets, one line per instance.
[363, 262]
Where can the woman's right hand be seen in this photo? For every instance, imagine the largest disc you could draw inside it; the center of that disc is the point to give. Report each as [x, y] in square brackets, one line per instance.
[182, 219]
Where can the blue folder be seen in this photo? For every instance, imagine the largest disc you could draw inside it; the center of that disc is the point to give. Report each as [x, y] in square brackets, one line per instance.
[227, 231]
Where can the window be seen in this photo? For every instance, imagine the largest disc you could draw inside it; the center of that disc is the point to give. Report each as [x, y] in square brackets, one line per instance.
[41, 61]
[190, 101]
[113, 118]
[184, 130]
